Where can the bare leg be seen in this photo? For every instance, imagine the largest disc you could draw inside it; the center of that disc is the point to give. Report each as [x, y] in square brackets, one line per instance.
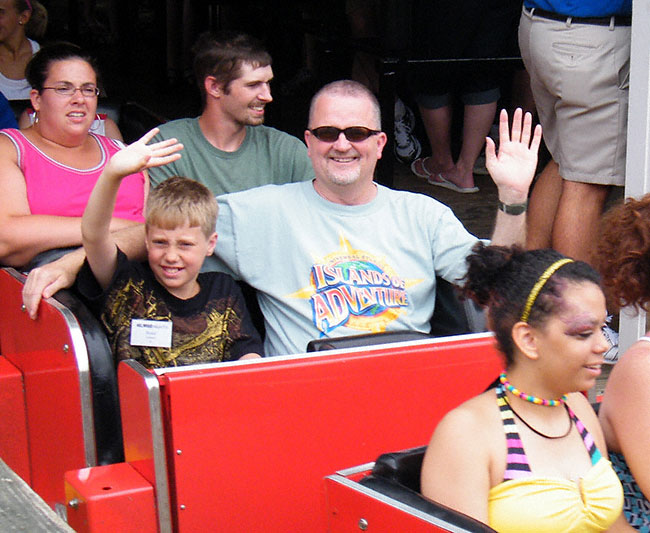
[476, 125]
[363, 25]
[575, 231]
[542, 207]
[437, 123]
[364, 71]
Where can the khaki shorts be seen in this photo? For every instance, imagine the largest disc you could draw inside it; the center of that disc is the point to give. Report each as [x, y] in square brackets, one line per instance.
[580, 80]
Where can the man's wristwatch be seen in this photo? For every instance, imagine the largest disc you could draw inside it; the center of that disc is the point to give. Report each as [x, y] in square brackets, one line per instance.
[513, 209]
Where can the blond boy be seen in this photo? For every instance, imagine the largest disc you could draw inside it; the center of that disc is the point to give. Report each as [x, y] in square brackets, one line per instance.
[163, 312]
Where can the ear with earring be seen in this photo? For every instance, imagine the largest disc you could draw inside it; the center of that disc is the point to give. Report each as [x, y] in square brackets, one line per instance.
[35, 118]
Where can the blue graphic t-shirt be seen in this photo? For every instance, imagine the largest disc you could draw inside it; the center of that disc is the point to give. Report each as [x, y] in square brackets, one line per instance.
[327, 270]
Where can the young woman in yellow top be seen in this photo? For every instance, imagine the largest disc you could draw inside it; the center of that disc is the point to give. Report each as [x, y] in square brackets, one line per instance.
[530, 455]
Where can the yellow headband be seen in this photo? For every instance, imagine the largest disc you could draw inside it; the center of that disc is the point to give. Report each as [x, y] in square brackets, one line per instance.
[540, 283]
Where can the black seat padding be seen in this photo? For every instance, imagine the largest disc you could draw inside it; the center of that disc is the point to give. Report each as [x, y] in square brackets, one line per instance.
[106, 408]
[367, 339]
[450, 315]
[397, 475]
[136, 120]
[253, 306]
[46, 257]
[402, 467]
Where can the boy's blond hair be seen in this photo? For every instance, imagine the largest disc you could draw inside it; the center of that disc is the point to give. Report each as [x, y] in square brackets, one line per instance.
[178, 201]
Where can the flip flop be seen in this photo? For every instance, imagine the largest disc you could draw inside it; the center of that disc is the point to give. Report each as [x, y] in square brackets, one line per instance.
[440, 181]
[423, 172]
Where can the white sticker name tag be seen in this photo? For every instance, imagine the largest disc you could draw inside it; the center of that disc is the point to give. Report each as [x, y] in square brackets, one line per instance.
[157, 333]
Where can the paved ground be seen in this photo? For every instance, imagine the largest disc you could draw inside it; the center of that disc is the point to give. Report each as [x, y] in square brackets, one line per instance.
[22, 510]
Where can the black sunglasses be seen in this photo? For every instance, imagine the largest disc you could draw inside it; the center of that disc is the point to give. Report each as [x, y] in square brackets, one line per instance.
[354, 134]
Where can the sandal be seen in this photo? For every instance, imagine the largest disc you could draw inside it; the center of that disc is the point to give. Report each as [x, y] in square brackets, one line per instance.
[441, 181]
[422, 172]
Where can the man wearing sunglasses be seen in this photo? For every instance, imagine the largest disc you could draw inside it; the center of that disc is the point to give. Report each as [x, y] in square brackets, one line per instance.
[342, 255]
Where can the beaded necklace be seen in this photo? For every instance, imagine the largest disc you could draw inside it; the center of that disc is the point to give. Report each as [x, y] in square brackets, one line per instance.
[532, 399]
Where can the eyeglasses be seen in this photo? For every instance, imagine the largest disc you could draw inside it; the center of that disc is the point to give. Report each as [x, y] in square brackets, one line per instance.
[67, 89]
[354, 134]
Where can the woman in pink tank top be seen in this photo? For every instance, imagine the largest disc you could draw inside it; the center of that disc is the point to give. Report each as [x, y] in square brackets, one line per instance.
[48, 170]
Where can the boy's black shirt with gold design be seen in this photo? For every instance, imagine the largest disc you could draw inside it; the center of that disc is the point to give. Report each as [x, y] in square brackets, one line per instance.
[212, 326]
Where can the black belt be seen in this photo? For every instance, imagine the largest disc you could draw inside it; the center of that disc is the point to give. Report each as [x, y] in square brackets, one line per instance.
[619, 20]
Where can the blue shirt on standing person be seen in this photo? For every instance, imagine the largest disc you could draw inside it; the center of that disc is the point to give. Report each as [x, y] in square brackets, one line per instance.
[7, 116]
[585, 8]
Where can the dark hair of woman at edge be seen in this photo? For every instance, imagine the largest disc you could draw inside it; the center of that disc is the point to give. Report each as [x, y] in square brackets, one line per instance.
[530, 454]
[623, 258]
[623, 254]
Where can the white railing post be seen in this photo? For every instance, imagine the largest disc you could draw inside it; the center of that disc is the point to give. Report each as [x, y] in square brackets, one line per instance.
[637, 171]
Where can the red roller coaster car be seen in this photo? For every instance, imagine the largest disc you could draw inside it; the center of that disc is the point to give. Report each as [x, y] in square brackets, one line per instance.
[268, 445]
